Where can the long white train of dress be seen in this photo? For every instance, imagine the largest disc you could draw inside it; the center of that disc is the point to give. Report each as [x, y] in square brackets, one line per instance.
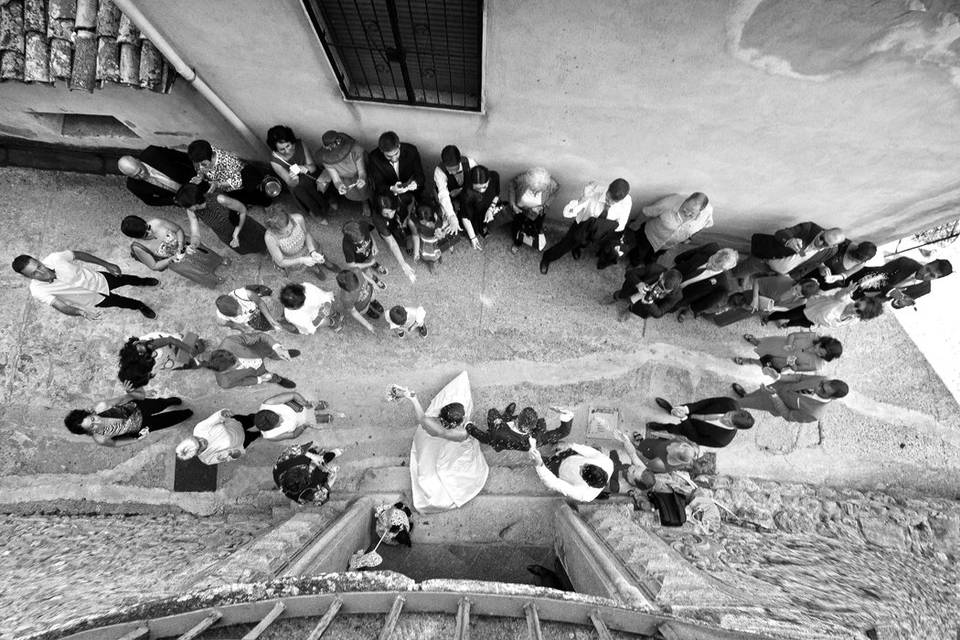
[446, 474]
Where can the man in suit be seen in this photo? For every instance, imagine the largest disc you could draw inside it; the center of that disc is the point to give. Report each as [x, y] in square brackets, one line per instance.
[395, 169]
[796, 398]
[238, 360]
[156, 174]
[793, 246]
[507, 430]
[651, 291]
[712, 422]
[900, 281]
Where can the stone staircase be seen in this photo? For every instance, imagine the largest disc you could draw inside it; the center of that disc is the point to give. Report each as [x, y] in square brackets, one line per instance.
[666, 578]
[263, 557]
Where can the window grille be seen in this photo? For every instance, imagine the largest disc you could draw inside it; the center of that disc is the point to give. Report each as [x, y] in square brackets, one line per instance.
[415, 52]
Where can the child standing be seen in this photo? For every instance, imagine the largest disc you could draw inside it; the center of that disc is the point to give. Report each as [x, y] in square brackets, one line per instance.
[428, 226]
[404, 319]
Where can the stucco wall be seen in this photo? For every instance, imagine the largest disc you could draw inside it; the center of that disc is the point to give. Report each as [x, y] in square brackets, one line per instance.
[838, 111]
[170, 120]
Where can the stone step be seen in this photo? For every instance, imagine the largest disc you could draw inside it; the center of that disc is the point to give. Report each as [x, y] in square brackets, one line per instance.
[261, 558]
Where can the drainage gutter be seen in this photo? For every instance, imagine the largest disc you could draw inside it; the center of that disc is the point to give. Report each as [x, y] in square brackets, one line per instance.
[188, 73]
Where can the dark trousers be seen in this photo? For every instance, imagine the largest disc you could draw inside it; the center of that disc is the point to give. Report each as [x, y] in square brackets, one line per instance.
[250, 432]
[795, 317]
[578, 236]
[123, 280]
[701, 296]
[309, 198]
[642, 251]
[553, 462]
[154, 417]
[249, 191]
[523, 225]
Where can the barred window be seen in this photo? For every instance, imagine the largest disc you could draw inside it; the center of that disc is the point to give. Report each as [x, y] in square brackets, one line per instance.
[416, 52]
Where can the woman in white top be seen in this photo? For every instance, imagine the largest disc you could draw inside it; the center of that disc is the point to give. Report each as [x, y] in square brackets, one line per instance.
[219, 438]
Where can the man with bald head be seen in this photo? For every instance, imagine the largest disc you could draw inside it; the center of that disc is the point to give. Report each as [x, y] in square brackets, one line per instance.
[156, 174]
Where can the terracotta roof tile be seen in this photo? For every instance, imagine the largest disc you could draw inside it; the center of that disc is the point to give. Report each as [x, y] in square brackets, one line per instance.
[88, 42]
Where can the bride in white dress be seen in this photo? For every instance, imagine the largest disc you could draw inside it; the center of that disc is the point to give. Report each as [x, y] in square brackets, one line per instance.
[447, 468]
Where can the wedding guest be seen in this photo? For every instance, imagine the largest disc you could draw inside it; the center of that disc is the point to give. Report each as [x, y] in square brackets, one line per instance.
[356, 298]
[360, 251]
[508, 431]
[156, 174]
[221, 437]
[397, 227]
[529, 195]
[140, 355]
[73, 289]
[793, 246]
[287, 415]
[575, 470]
[227, 173]
[308, 307]
[842, 261]
[404, 320]
[305, 473]
[345, 165]
[292, 246]
[238, 360]
[291, 160]
[650, 290]
[795, 398]
[480, 204]
[227, 217]
[711, 422]
[829, 310]
[250, 308]
[123, 420]
[167, 248]
[799, 351]
[672, 220]
[395, 169]
[450, 179]
[900, 281]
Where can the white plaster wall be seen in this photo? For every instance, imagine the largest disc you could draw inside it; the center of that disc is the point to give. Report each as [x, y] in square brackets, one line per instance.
[665, 94]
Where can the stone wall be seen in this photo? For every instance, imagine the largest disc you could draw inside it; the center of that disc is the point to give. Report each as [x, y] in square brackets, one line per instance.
[864, 560]
[56, 568]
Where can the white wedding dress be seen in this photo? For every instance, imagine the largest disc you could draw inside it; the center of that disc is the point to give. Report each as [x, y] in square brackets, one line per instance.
[446, 474]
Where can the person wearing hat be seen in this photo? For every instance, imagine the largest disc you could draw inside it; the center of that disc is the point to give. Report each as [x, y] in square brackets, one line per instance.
[291, 160]
[577, 471]
[286, 415]
[395, 169]
[219, 438]
[156, 174]
[712, 422]
[345, 165]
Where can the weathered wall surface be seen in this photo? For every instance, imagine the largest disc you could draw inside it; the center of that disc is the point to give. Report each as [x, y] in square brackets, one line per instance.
[818, 556]
[170, 120]
[781, 111]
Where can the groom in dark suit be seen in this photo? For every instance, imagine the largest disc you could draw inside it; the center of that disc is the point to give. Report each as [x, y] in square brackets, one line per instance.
[796, 398]
[395, 169]
[711, 422]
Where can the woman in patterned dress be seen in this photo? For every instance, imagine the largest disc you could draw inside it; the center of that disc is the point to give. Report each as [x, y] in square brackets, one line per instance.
[121, 421]
[169, 249]
[226, 217]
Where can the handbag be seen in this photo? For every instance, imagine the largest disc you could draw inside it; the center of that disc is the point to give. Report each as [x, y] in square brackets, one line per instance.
[540, 239]
[671, 507]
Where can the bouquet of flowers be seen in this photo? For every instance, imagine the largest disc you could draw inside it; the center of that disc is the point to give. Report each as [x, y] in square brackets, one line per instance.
[396, 393]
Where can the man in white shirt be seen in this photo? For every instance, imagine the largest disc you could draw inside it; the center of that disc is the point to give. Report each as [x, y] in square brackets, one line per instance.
[670, 221]
[60, 281]
[250, 308]
[219, 438]
[612, 205]
[577, 471]
[450, 179]
[308, 307]
[285, 416]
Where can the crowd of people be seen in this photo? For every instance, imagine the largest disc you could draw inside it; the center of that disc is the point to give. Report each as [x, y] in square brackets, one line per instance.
[804, 276]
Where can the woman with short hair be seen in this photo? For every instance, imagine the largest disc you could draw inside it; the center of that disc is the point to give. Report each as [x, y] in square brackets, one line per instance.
[165, 247]
[304, 473]
[291, 160]
[121, 421]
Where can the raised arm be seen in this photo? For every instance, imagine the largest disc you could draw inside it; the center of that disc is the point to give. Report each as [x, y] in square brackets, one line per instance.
[433, 426]
[391, 243]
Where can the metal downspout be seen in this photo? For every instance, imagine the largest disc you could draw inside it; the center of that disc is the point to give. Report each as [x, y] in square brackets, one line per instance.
[188, 73]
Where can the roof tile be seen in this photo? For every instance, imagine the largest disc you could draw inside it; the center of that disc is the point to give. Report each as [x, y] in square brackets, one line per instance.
[61, 59]
[108, 60]
[37, 59]
[86, 17]
[130, 64]
[108, 19]
[34, 16]
[84, 74]
[11, 26]
[62, 9]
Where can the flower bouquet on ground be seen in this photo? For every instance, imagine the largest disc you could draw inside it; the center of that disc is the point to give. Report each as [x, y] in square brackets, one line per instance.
[395, 393]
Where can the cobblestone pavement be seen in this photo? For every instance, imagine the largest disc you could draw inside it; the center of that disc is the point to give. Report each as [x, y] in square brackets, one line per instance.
[57, 568]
